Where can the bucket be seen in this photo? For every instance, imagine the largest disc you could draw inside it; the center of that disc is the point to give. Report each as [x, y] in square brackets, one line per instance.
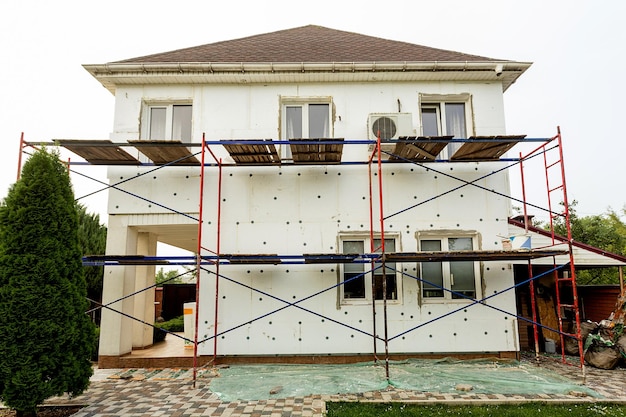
[189, 322]
[550, 346]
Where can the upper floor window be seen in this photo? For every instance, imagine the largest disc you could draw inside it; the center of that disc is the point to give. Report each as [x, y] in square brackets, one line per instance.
[360, 283]
[449, 280]
[446, 115]
[305, 118]
[168, 122]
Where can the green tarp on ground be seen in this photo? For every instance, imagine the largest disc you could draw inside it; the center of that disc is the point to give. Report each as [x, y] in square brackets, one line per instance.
[254, 382]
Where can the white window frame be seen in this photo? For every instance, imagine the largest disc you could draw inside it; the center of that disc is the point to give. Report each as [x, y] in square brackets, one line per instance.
[169, 119]
[367, 267]
[302, 102]
[447, 296]
[438, 102]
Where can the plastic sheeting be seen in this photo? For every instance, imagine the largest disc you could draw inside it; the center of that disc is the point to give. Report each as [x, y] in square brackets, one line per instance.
[485, 377]
[255, 382]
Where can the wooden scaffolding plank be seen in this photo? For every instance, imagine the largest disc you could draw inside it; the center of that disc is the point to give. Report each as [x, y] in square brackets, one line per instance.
[98, 152]
[163, 152]
[253, 154]
[486, 148]
[127, 259]
[257, 259]
[316, 152]
[332, 258]
[468, 255]
[419, 148]
[325, 258]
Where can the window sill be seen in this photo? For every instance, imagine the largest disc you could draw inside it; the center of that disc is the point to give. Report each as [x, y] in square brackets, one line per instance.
[362, 302]
[434, 300]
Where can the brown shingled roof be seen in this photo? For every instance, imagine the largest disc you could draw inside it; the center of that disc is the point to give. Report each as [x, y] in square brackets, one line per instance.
[309, 44]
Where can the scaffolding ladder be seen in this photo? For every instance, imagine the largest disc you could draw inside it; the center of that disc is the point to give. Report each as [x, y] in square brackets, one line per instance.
[566, 293]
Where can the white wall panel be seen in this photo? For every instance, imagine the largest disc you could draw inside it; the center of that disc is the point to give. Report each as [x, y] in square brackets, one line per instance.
[302, 209]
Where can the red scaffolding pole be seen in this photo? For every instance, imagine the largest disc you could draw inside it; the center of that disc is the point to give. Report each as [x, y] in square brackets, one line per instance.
[19, 156]
[199, 254]
[382, 250]
[372, 248]
[533, 303]
[377, 152]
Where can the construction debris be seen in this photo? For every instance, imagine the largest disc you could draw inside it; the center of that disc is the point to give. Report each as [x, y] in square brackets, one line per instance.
[276, 389]
[605, 342]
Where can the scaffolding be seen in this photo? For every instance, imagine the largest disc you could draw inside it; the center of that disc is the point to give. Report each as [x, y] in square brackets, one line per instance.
[420, 151]
[564, 277]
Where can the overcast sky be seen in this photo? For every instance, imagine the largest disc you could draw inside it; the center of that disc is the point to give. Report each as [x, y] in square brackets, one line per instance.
[578, 50]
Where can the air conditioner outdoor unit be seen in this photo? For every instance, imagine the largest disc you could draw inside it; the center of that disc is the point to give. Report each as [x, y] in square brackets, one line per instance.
[389, 126]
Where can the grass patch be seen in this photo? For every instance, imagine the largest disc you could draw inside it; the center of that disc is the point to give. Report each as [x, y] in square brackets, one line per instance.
[360, 409]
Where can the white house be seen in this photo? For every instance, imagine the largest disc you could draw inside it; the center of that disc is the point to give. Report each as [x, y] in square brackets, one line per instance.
[277, 223]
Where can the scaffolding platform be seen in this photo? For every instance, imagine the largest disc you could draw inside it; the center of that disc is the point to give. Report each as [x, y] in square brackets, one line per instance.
[325, 258]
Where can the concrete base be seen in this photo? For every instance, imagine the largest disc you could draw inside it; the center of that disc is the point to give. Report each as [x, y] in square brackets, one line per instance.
[133, 361]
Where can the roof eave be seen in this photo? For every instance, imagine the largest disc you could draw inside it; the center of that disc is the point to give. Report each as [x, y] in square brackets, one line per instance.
[562, 239]
[112, 74]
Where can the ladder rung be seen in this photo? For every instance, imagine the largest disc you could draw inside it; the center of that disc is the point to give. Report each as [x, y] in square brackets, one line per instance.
[566, 305]
[553, 164]
[558, 187]
[565, 279]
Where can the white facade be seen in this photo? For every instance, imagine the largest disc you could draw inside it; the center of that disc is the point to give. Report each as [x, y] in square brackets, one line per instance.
[297, 209]
[253, 111]
[313, 83]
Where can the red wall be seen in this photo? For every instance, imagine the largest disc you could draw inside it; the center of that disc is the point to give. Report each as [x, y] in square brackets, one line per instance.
[597, 302]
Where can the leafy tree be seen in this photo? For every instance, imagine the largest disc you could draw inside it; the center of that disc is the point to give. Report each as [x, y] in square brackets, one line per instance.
[46, 339]
[605, 231]
[173, 277]
[92, 236]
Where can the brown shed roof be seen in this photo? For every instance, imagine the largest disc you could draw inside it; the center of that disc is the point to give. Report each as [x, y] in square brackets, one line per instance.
[310, 43]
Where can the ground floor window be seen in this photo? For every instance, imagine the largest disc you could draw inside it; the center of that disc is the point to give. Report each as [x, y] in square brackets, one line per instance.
[449, 280]
[367, 281]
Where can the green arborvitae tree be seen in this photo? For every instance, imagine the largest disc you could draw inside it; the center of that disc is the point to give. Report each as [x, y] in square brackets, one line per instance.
[46, 339]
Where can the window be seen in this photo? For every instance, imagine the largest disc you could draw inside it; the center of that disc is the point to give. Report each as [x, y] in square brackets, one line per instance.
[460, 277]
[168, 122]
[445, 115]
[305, 119]
[358, 276]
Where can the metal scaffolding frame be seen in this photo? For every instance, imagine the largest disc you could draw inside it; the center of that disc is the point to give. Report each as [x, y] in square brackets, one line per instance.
[413, 150]
[565, 285]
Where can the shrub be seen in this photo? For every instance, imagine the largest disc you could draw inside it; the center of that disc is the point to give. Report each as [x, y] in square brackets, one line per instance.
[96, 345]
[175, 325]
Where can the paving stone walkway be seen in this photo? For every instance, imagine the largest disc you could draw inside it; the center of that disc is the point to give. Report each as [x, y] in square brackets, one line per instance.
[171, 393]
